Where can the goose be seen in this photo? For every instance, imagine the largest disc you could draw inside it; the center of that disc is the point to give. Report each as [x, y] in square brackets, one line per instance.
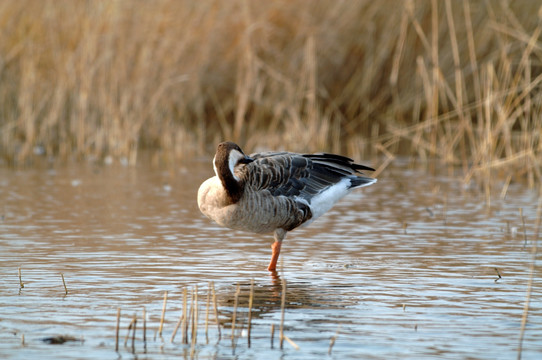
[275, 191]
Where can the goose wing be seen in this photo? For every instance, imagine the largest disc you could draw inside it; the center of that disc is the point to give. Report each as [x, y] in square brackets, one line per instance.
[301, 175]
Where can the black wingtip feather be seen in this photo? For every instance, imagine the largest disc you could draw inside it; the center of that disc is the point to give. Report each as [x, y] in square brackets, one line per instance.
[362, 167]
[339, 160]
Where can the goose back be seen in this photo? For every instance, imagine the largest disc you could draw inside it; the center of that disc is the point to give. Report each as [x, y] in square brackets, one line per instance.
[312, 183]
[301, 175]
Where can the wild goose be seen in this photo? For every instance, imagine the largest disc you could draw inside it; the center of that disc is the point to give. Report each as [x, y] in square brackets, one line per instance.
[275, 191]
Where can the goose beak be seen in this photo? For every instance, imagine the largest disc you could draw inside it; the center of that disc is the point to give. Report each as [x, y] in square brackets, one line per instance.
[246, 160]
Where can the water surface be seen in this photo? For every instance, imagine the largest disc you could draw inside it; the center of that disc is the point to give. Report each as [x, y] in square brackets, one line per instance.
[407, 268]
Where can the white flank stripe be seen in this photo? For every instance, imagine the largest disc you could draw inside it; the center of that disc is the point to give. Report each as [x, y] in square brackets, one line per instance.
[326, 199]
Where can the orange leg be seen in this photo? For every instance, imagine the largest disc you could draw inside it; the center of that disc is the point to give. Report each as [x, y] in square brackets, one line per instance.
[275, 256]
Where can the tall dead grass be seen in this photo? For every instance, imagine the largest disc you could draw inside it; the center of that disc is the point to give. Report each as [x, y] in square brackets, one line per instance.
[453, 80]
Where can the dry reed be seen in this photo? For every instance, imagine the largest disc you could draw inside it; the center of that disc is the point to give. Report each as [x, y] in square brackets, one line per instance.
[184, 318]
[532, 269]
[188, 318]
[282, 313]
[215, 308]
[117, 329]
[144, 329]
[64, 283]
[195, 316]
[234, 315]
[134, 321]
[250, 303]
[130, 327]
[207, 304]
[455, 80]
[291, 342]
[179, 323]
[160, 328]
[498, 275]
[524, 229]
[21, 283]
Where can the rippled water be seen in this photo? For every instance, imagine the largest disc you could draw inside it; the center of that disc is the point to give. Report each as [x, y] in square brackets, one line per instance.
[406, 268]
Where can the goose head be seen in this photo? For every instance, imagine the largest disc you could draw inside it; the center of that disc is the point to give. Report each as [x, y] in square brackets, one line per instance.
[228, 156]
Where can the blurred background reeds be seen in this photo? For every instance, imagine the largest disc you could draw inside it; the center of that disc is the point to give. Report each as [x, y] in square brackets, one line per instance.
[456, 81]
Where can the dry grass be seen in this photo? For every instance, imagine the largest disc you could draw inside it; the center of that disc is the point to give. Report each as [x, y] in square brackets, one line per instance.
[453, 80]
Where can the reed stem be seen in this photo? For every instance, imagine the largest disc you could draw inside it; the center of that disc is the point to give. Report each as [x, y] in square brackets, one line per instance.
[161, 327]
[250, 300]
[64, 283]
[130, 326]
[215, 307]
[234, 315]
[523, 227]
[195, 316]
[134, 320]
[21, 283]
[527, 304]
[334, 338]
[291, 342]
[179, 322]
[117, 329]
[184, 325]
[282, 311]
[144, 329]
[190, 317]
[207, 312]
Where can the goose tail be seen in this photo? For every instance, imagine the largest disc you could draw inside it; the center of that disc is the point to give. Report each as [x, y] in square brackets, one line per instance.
[361, 181]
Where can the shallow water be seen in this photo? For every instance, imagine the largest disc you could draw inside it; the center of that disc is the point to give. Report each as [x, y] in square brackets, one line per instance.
[403, 269]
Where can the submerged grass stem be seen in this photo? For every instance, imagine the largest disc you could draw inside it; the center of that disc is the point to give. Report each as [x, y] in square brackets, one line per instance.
[234, 315]
[250, 301]
[21, 283]
[117, 329]
[64, 283]
[215, 308]
[161, 327]
[282, 311]
[528, 293]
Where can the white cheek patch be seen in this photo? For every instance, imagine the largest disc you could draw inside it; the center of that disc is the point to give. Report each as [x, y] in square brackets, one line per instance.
[214, 166]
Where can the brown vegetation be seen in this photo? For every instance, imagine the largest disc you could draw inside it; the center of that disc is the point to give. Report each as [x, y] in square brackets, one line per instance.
[453, 80]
